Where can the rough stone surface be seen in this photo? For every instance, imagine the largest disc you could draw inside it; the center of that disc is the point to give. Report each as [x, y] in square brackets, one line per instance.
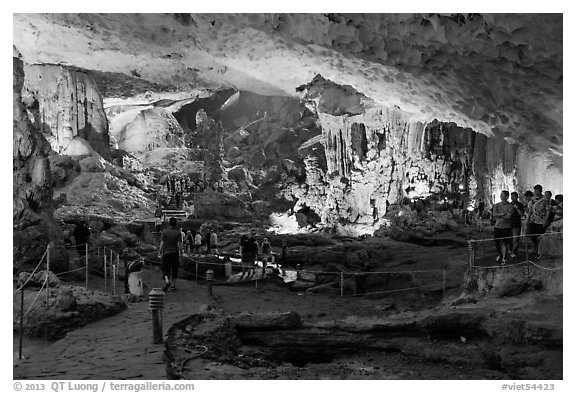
[33, 224]
[66, 104]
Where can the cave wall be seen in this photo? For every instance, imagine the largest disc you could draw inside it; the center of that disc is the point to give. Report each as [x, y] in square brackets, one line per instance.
[65, 104]
[143, 129]
[34, 226]
[378, 157]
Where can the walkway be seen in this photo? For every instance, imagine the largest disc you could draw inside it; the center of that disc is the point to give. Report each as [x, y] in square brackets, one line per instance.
[119, 347]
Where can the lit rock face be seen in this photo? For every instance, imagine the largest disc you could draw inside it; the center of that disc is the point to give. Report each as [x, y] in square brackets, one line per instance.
[65, 104]
[33, 224]
[377, 157]
[140, 130]
[498, 74]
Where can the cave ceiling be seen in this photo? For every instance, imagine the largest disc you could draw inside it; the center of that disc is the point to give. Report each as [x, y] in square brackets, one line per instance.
[499, 74]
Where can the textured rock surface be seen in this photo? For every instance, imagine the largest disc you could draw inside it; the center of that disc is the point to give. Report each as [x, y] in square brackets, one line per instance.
[70, 308]
[65, 103]
[140, 130]
[498, 74]
[33, 225]
[376, 157]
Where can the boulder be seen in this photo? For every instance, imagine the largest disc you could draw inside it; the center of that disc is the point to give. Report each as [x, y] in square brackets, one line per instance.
[78, 147]
[93, 163]
[38, 279]
[65, 300]
[267, 321]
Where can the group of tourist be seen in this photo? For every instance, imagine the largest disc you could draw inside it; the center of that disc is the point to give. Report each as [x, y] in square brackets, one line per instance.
[192, 242]
[535, 214]
[181, 184]
[251, 251]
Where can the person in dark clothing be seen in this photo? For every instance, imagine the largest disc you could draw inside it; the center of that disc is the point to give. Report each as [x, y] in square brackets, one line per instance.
[481, 207]
[516, 222]
[207, 242]
[177, 196]
[284, 254]
[252, 251]
[81, 235]
[172, 184]
[169, 252]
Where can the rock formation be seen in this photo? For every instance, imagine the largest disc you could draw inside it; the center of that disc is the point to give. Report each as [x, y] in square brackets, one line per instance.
[65, 105]
[33, 225]
[143, 129]
[376, 157]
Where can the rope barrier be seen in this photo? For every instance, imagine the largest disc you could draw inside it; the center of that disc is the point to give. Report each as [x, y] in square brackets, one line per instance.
[545, 268]
[70, 271]
[512, 237]
[205, 349]
[33, 302]
[395, 290]
[34, 271]
[499, 266]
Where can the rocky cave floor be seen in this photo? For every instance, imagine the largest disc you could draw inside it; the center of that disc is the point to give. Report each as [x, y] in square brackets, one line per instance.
[406, 335]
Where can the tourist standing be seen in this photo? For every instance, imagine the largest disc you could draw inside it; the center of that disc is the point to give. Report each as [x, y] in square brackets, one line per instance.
[197, 243]
[538, 209]
[169, 252]
[213, 242]
[189, 241]
[207, 242]
[516, 222]
[266, 252]
[502, 212]
[177, 196]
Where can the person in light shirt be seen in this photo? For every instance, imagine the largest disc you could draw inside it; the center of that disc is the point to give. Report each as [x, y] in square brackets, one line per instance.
[502, 212]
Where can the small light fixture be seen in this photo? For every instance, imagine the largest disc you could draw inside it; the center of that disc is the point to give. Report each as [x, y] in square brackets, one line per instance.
[461, 186]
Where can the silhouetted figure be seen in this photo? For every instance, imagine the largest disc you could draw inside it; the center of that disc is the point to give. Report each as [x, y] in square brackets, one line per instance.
[177, 196]
[169, 252]
[81, 235]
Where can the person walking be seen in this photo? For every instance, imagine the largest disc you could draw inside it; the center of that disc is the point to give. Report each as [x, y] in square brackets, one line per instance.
[502, 212]
[158, 218]
[516, 222]
[169, 253]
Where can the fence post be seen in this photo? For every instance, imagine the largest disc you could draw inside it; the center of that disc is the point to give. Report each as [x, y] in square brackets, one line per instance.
[114, 279]
[196, 270]
[341, 283]
[443, 283]
[156, 304]
[21, 322]
[105, 272]
[126, 289]
[86, 266]
[209, 277]
[47, 271]
[526, 247]
[471, 256]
